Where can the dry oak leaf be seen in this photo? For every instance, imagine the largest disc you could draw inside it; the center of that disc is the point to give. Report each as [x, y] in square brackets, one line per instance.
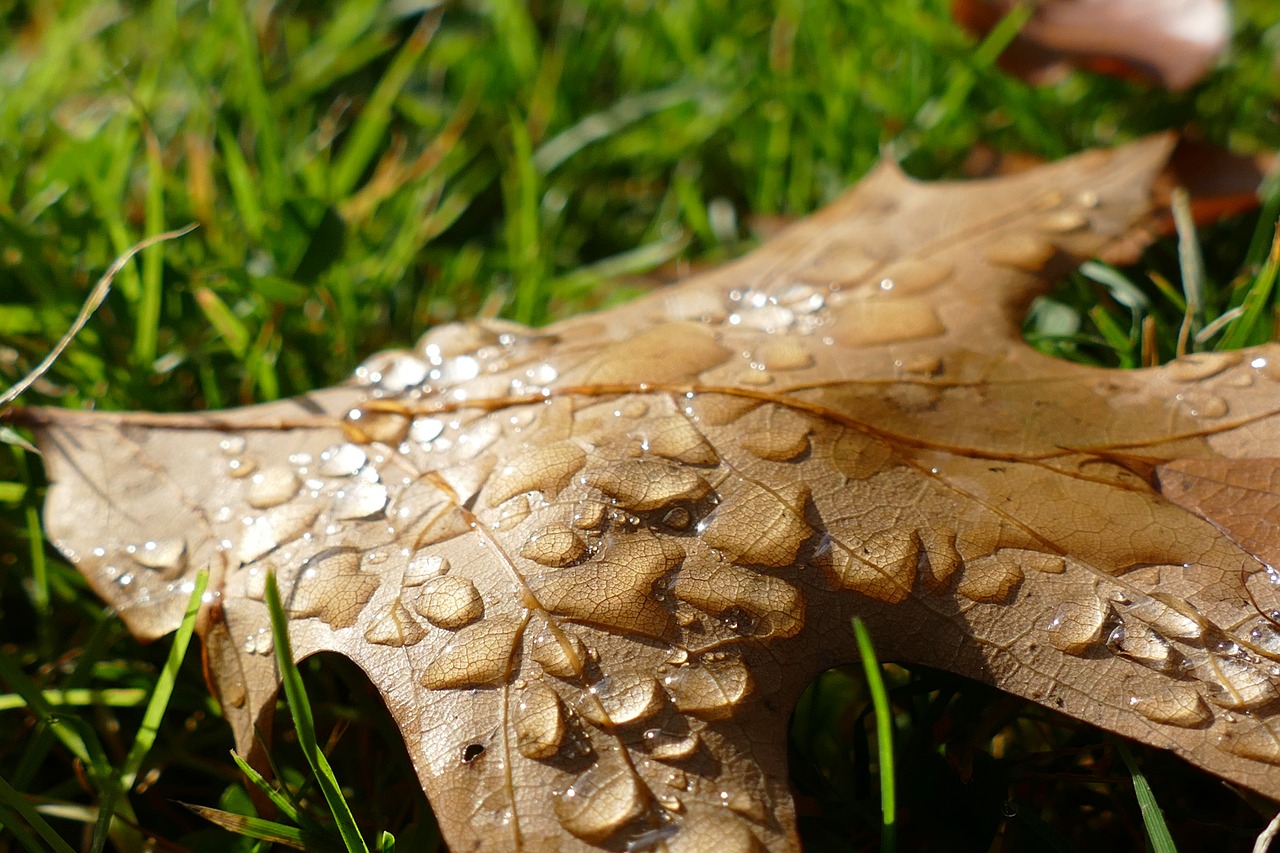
[590, 567]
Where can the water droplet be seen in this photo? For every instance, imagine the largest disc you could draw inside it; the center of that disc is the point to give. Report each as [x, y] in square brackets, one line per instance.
[589, 515]
[677, 439]
[1140, 643]
[477, 656]
[1258, 742]
[991, 578]
[917, 276]
[232, 445]
[271, 487]
[396, 628]
[1236, 683]
[648, 484]
[342, 460]
[167, 556]
[784, 354]
[1171, 617]
[450, 601]
[874, 322]
[1023, 251]
[277, 526]
[555, 545]
[1063, 221]
[513, 512]
[241, 467]
[1198, 366]
[403, 373]
[1209, 406]
[773, 606]
[621, 699]
[538, 720]
[560, 654]
[479, 438]
[666, 746]
[423, 567]
[425, 430]
[332, 588]
[360, 500]
[601, 801]
[780, 436]
[463, 368]
[1076, 624]
[757, 526]
[1170, 703]
[547, 469]
[365, 426]
[711, 689]
[260, 642]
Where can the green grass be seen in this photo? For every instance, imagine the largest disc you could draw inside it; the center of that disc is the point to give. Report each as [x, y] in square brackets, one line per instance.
[360, 171]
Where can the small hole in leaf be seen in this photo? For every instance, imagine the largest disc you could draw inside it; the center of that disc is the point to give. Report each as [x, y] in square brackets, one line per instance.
[471, 752]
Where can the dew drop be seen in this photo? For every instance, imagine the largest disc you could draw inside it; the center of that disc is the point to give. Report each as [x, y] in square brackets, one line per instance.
[277, 526]
[589, 515]
[167, 556]
[547, 469]
[1237, 684]
[1142, 644]
[260, 642]
[1076, 624]
[479, 655]
[665, 746]
[563, 655]
[403, 373]
[555, 545]
[241, 467]
[341, 460]
[449, 601]
[332, 588]
[424, 567]
[648, 484]
[677, 439]
[711, 689]
[601, 801]
[1023, 251]
[538, 721]
[395, 628]
[622, 699]
[1171, 704]
[360, 500]
[271, 487]
[1063, 221]
[758, 526]
[784, 354]
[1198, 366]
[1259, 742]
[425, 430]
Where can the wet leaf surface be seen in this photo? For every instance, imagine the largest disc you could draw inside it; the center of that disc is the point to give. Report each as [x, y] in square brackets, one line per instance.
[590, 567]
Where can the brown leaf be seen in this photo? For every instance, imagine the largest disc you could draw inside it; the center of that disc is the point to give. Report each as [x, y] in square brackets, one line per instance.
[591, 567]
[1173, 42]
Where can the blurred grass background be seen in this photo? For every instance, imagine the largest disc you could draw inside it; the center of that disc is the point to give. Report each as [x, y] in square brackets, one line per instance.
[361, 170]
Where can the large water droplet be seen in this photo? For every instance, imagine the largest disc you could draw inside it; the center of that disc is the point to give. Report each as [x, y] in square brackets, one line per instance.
[1198, 366]
[559, 653]
[1237, 683]
[396, 628]
[360, 500]
[423, 567]
[1141, 643]
[271, 487]
[648, 484]
[425, 430]
[1256, 740]
[546, 469]
[677, 439]
[365, 426]
[167, 556]
[1023, 251]
[758, 526]
[1169, 703]
[621, 699]
[477, 656]
[450, 602]
[782, 436]
[784, 354]
[342, 460]
[1076, 624]
[601, 801]
[538, 719]
[775, 606]
[666, 746]
[710, 689]
[277, 526]
[555, 545]
[331, 587]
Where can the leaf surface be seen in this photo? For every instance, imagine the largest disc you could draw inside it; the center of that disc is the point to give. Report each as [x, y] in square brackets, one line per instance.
[591, 567]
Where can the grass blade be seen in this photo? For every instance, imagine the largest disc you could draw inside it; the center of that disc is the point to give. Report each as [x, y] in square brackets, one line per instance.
[884, 737]
[304, 724]
[1152, 817]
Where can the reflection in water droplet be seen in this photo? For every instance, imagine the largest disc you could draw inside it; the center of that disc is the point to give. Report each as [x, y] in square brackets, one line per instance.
[1076, 624]
[331, 587]
[271, 487]
[277, 526]
[622, 699]
[554, 545]
[1237, 683]
[1142, 644]
[563, 656]
[342, 460]
[711, 689]
[1170, 703]
[665, 746]
[601, 801]
[396, 628]
[360, 500]
[538, 719]
[423, 567]
[477, 656]
[425, 430]
[450, 601]
[167, 556]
